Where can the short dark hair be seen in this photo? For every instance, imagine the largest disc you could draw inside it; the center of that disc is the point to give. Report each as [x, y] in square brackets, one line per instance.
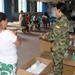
[63, 8]
[21, 11]
[3, 16]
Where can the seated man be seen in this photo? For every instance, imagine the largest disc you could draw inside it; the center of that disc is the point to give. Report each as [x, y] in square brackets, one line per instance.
[24, 23]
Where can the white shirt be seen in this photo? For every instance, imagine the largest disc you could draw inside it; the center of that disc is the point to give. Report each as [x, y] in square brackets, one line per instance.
[8, 51]
[53, 12]
[20, 17]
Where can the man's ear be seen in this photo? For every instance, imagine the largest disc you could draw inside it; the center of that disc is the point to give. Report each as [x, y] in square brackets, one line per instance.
[2, 23]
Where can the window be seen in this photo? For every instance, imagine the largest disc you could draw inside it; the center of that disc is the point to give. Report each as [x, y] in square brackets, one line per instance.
[22, 4]
[39, 6]
[1, 5]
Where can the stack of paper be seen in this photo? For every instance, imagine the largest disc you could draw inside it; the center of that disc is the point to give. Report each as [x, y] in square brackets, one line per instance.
[36, 68]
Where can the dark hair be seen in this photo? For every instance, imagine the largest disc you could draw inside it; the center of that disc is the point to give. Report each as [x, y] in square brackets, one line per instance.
[46, 14]
[21, 11]
[2, 16]
[63, 8]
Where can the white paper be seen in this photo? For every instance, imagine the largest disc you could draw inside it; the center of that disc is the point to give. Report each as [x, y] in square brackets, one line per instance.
[35, 65]
[37, 68]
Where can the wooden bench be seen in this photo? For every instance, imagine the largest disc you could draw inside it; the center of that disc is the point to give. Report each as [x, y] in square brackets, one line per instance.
[15, 26]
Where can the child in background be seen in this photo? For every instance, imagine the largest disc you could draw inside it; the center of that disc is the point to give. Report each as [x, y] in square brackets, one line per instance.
[8, 51]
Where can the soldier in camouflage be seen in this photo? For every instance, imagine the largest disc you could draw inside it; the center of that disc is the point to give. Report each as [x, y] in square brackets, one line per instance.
[59, 35]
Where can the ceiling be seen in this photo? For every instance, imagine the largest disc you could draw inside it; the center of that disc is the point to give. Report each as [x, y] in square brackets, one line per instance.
[50, 0]
[55, 1]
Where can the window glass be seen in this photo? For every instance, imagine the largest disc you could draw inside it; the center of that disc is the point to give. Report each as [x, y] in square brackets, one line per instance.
[39, 6]
[1, 5]
[22, 5]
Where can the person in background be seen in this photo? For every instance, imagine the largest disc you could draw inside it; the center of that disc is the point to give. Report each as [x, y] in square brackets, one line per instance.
[24, 23]
[52, 18]
[21, 16]
[28, 18]
[38, 22]
[59, 35]
[45, 19]
[47, 15]
[8, 50]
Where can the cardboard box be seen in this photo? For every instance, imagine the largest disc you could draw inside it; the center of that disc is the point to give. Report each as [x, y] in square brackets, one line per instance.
[69, 64]
[47, 70]
[67, 61]
[45, 45]
[71, 47]
[46, 55]
[68, 70]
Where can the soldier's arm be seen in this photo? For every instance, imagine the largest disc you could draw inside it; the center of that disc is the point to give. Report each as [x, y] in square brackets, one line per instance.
[44, 35]
[57, 32]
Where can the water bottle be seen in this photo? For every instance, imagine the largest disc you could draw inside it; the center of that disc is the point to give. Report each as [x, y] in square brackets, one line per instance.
[70, 43]
[66, 55]
[73, 56]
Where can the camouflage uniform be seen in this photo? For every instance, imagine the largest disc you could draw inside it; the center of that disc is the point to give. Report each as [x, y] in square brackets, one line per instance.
[60, 35]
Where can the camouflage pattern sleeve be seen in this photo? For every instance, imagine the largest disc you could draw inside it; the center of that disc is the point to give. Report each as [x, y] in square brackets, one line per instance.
[60, 29]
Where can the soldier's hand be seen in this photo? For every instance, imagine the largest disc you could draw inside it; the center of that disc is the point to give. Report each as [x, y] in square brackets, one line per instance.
[44, 35]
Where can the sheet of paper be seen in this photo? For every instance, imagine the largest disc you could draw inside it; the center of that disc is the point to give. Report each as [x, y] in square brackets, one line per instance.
[37, 68]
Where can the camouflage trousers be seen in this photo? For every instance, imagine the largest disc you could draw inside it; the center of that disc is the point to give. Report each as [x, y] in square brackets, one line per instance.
[58, 62]
[7, 69]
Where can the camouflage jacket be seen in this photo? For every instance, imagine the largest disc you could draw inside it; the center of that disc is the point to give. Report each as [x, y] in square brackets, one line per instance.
[60, 33]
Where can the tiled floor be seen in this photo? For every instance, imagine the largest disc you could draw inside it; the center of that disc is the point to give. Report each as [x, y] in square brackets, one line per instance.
[30, 47]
